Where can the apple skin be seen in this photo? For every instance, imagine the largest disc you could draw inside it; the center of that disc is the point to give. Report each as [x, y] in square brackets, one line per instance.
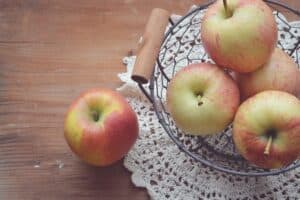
[104, 141]
[208, 85]
[298, 88]
[242, 42]
[279, 73]
[269, 110]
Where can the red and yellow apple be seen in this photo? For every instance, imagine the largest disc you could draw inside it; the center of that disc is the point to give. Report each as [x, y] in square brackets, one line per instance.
[239, 34]
[298, 91]
[266, 129]
[100, 127]
[202, 99]
[279, 73]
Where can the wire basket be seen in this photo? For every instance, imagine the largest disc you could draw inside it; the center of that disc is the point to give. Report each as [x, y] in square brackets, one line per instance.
[182, 46]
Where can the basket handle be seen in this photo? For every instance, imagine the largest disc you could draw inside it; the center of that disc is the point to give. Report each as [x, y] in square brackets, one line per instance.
[149, 45]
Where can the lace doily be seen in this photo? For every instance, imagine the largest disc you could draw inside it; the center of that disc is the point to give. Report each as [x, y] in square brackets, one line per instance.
[159, 166]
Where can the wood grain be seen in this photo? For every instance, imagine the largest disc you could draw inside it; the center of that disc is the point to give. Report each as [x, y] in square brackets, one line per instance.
[50, 52]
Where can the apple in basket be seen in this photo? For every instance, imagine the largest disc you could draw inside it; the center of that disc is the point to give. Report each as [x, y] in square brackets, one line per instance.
[100, 127]
[202, 99]
[279, 73]
[266, 129]
[239, 34]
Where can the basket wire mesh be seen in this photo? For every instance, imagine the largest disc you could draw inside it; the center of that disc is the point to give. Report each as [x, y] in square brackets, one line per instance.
[182, 46]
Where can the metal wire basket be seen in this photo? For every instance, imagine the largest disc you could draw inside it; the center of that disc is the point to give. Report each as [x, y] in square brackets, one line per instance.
[182, 46]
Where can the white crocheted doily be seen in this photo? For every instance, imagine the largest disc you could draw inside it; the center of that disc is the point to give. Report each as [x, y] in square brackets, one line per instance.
[159, 166]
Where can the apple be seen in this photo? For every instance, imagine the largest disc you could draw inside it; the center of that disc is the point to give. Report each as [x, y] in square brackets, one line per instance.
[100, 127]
[239, 34]
[266, 129]
[202, 99]
[298, 88]
[279, 73]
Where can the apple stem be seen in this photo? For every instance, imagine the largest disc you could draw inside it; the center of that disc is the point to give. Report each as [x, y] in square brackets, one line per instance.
[200, 102]
[227, 11]
[95, 115]
[267, 149]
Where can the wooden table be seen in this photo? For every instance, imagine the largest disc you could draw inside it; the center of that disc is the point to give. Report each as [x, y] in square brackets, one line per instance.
[50, 52]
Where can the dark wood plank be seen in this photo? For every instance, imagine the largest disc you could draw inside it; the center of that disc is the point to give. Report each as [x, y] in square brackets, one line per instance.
[51, 51]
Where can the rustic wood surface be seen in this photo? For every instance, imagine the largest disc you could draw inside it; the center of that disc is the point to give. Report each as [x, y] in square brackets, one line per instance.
[50, 52]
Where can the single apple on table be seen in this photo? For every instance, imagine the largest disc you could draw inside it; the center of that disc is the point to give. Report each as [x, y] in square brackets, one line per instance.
[100, 127]
[202, 99]
[279, 73]
[239, 34]
[266, 129]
